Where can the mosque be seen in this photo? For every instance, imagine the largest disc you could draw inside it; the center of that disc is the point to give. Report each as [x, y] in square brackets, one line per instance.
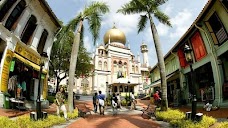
[116, 68]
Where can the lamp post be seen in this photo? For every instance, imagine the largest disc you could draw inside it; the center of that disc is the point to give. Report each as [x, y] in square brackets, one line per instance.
[108, 88]
[189, 59]
[38, 102]
[129, 91]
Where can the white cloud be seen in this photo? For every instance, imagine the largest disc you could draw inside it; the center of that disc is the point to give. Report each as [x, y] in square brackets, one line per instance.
[88, 44]
[162, 29]
[181, 22]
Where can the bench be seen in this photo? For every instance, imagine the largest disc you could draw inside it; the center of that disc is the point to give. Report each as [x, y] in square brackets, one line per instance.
[149, 111]
[83, 110]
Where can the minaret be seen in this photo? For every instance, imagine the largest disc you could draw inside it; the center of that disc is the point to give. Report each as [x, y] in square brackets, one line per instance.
[144, 51]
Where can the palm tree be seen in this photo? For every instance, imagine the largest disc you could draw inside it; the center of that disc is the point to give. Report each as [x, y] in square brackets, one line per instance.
[147, 9]
[92, 14]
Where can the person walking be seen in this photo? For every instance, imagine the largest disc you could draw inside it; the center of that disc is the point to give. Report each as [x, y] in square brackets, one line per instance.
[60, 99]
[118, 101]
[157, 98]
[101, 98]
[133, 101]
[95, 102]
[114, 104]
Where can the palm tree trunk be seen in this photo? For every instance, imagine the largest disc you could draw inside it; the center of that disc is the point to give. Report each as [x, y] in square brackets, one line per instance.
[161, 64]
[73, 63]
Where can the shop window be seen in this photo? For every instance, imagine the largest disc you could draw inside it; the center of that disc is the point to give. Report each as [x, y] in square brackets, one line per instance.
[217, 30]
[13, 19]
[42, 41]
[225, 3]
[29, 29]
[5, 8]
[182, 59]
[198, 46]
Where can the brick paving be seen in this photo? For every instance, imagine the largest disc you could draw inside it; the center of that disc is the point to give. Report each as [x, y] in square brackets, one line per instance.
[109, 121]
[119, 121]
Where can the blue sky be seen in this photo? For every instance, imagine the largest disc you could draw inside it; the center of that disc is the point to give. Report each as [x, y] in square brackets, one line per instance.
[182, 13]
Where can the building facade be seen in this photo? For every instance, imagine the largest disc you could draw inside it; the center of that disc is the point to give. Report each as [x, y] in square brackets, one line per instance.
[208, 39]
[116, 69]
[27, 29]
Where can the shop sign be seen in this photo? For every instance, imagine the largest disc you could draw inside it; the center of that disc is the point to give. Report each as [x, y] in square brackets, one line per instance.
[12, 64]
[26, 52]
[42, 76]
[6, 70]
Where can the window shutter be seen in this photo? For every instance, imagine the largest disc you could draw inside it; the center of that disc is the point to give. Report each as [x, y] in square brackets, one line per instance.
[198, 46]
[181, 56]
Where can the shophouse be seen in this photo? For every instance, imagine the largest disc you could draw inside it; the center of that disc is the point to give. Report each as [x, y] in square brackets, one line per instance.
[208, 38]
[27, 29]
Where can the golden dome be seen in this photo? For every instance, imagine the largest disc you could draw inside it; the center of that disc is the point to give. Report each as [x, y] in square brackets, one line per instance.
[115, 36]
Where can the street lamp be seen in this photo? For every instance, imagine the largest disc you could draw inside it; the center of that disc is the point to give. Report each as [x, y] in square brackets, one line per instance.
[189, 59]
[43, 58]
[129, 91]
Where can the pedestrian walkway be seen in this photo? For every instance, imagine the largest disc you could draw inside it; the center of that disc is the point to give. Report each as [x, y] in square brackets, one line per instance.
[125, 118]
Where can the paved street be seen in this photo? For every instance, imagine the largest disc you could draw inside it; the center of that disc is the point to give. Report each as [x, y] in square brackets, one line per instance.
[124, 119]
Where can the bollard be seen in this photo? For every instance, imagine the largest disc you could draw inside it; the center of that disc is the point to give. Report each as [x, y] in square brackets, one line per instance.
[44, 115]
[33, 116]
[199, 117]
[188, 115]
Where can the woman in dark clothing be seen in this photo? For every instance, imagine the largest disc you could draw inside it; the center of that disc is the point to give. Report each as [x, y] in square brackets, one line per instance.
[95, 102]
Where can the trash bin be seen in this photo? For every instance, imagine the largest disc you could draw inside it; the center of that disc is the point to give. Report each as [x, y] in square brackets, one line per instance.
[6, 102]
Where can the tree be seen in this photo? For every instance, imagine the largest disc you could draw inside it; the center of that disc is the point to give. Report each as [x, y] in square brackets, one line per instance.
[60, 57]
[92, 14]
[150, 8]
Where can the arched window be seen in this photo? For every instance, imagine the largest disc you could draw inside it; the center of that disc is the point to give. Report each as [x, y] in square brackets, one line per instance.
[5, 8]
[42, 41]
[99, 65]
[133, 68]
[120, 66]
[29, 29]
[115, 66]
[125, 70]
[136, 69]
[105, 66]
[14, 16]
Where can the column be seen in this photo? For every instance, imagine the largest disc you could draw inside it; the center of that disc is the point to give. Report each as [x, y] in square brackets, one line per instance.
[22, 23]
[37, 34]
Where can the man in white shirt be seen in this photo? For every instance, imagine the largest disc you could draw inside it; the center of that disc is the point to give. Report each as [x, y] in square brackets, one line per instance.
[133, 101]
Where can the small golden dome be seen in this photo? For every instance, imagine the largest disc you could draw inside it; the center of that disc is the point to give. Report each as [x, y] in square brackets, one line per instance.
[115, 36]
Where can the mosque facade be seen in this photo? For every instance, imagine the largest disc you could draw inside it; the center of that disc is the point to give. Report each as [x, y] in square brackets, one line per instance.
[116, 68]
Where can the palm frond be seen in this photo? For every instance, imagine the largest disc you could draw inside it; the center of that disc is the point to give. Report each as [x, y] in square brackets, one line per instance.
[156, 2]
[162, 17]
[142, 23]
[133, 7]
[72, 25]
[96, 7]
[94, 22]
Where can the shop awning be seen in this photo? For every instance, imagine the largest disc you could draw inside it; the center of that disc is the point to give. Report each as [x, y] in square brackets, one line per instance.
[27, 62]
[123, 81]
[158, 83]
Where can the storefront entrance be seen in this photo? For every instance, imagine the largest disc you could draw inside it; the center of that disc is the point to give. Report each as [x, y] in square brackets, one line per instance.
[204, 83]
[224, 68]
[23, 81]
